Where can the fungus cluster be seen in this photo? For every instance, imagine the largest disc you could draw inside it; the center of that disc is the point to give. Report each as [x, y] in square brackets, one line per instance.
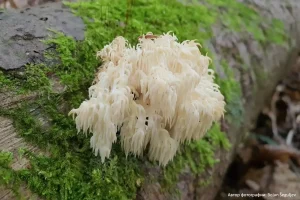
[158, 94]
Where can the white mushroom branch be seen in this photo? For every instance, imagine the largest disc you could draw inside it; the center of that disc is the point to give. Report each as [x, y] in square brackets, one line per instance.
[160, 93]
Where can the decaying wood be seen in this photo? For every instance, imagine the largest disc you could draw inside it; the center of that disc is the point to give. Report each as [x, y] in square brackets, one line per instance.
[12, 142]
[274, 60]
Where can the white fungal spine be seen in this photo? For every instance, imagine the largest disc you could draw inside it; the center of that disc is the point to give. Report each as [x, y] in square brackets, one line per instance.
[160, 92]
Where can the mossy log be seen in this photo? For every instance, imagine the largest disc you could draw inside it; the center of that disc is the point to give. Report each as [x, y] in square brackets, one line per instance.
[258, 66]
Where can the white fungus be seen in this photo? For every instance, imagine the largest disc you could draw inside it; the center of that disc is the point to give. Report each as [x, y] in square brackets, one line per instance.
[161, 93]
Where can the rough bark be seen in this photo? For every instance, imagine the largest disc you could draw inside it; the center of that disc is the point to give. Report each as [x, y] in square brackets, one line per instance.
[274, 60]
[23, 30]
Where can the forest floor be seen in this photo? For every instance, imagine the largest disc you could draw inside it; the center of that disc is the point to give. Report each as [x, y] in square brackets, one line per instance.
[268, 163]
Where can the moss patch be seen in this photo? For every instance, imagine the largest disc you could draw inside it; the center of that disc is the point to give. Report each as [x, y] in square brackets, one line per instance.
[72, 171]
[197, 155]
[6, 174]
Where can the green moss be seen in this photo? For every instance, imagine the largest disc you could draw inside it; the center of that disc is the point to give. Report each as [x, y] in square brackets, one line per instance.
[4, 81]
[71, 175]
[233, 95]
[31, 78]
[5, 173]
[197, 155]
[239, 17]
[72, 171]
[8, 177]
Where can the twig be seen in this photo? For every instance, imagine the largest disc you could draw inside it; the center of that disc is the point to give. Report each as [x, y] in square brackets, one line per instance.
[289, 138]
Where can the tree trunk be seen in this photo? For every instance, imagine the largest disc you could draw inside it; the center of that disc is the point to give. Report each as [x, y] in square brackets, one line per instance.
[26, 28]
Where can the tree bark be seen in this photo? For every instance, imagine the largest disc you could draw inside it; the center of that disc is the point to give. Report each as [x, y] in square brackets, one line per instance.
[25, 29]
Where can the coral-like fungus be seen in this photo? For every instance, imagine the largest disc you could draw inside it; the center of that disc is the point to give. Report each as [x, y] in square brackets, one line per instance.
[159, 94]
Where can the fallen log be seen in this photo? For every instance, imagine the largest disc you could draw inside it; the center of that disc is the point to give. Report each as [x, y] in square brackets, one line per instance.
[258, 65]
